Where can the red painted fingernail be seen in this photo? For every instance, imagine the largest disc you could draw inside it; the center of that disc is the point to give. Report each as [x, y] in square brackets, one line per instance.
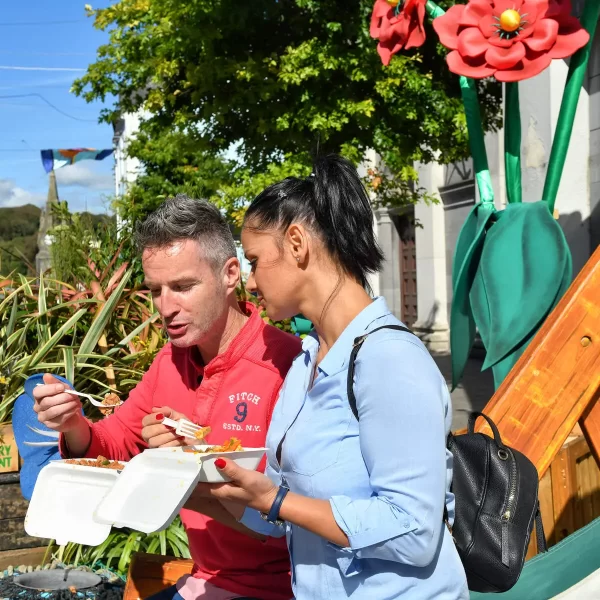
[159, 416]
[220, 463]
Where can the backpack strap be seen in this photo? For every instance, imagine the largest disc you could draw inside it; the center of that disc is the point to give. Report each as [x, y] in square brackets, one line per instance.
[358, 342]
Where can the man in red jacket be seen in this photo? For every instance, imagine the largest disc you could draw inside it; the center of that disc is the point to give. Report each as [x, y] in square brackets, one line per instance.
[223, 367]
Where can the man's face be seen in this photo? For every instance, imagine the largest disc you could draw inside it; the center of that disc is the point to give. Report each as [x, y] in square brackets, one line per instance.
[189, 295]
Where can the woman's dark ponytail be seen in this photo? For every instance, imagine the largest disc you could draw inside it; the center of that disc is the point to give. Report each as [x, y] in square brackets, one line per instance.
[334, 204]
[344, 215]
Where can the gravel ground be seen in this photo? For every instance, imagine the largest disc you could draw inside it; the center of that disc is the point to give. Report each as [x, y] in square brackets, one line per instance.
[111, 588]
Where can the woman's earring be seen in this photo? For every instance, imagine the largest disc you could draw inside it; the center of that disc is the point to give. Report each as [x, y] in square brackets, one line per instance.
[297, 259]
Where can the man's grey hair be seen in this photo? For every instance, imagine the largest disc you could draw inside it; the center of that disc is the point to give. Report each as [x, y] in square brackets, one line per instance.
[184, 218]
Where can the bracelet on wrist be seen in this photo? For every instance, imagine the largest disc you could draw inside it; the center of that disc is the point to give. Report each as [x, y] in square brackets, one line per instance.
[273, 515]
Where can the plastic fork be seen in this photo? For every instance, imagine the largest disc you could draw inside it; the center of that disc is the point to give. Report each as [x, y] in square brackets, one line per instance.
[183, 427]
[91, 399]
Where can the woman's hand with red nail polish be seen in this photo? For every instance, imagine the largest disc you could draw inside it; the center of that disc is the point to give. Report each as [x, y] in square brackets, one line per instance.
[157, 435]
[246, 487]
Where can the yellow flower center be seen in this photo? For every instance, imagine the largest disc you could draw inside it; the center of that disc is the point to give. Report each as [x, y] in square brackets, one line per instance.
[510, 20]
[393, 3]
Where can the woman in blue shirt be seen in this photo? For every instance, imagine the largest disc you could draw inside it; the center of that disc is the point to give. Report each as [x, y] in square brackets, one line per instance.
[364, 512]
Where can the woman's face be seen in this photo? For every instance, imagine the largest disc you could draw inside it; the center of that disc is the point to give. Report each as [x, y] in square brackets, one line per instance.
[276, 276]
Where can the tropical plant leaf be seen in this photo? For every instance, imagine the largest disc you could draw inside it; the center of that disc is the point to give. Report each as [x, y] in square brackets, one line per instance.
[143, 326]
[69, 364]
[98, 325]
[12, 319]
[43, 350]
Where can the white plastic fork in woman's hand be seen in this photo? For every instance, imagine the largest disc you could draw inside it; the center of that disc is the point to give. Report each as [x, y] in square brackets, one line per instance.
[91, 398]
[185, 428]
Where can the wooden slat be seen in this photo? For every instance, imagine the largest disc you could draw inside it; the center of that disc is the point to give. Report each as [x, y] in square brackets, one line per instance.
[13, 536]
[578, 454]
[557, 378]
[563, 486]
[12, 503]
[13, 508]
[595, 481]
[29, 556]
[532, 549]
[585, 488]
[590, 425]
[150, 574]
[547, 507]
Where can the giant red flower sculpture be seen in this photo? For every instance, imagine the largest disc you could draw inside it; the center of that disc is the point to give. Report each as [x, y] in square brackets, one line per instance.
[509, 39]
[397, 24]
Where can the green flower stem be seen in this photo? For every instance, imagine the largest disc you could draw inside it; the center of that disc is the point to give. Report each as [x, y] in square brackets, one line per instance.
[568, 107]
[512, 142]
[434, 10]
[474, 126]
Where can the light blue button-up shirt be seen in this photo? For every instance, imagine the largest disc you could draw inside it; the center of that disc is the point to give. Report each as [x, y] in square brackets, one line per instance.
[386, 477]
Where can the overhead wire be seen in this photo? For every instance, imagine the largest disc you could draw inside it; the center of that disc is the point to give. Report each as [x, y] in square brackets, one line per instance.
[45, 23]
[36, 95]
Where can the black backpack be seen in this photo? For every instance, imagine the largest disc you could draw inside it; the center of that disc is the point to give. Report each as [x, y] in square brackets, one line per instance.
[496, 499]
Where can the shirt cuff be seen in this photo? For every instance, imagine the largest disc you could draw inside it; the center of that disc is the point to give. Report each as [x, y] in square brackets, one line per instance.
[252, 520]
[95, 449]
[370, 521]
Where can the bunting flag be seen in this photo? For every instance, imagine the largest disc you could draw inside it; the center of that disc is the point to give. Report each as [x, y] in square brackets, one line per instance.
[55, 159]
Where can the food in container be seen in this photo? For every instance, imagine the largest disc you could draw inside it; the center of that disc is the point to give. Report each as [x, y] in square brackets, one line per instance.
[101, 462]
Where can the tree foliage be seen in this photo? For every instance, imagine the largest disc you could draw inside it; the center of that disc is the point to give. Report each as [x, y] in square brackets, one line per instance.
[238, 94]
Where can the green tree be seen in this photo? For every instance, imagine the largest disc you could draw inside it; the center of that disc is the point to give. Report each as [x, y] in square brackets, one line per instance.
[18, 238]
[276, 81]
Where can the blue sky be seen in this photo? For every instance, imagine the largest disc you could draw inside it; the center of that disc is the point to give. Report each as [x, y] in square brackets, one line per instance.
[43, 39]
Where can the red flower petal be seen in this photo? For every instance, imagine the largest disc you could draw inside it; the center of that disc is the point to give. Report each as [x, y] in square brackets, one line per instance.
[381, 10]
[474, 12]
[525, 32]
[531, 10]
[544, 35]
[387, 49]
[501, 5]
[396, 27]
[447, 26]
[525, 69]
[488, 25]
[474, 68]
[558, 8]
[569, 42]
[505, 58]
[496, 40]
[416, 36]
[471, 42]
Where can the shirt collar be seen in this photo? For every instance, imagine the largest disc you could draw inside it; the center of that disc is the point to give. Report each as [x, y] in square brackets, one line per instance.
[339, 354]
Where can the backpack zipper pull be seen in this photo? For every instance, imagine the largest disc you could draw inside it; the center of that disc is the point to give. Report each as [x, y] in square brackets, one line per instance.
[504, 541]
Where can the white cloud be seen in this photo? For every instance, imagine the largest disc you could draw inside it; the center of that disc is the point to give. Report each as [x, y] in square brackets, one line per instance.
[12, 195]
[81, 175]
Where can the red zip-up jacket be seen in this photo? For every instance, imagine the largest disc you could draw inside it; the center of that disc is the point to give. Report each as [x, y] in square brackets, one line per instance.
[235, 394]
